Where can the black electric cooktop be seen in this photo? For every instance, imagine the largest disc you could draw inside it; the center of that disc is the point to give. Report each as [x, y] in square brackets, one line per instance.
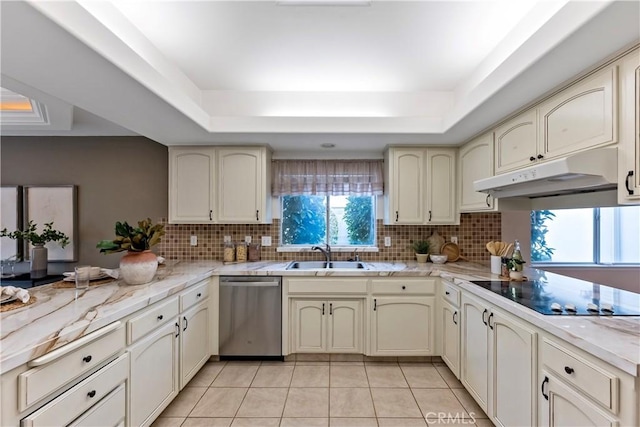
[25, 280]
[553, 294]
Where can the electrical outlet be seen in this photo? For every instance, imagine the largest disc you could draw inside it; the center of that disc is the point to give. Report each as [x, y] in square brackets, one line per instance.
[454, 239]
[247, 239]
[193, 241]
[266, 241]
[387, 241]
[227, 239]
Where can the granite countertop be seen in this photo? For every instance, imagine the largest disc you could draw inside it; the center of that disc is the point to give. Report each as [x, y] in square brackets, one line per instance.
[62, 315]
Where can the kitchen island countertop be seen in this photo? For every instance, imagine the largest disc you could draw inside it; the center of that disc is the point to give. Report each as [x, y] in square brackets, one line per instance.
[60, 316]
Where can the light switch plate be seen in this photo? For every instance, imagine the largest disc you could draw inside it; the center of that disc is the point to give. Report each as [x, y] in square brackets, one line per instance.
[387, 241]
[266, 241]
[193, 241]
[247, 239]
[454, 239]
[227, 239]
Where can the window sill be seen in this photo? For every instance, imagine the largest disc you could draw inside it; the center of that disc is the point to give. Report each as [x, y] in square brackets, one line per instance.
[346, 249]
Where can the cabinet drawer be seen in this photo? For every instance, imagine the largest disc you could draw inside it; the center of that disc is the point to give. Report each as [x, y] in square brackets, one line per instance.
[194, 295]
[590, 379]
[109, 412]
[72, 403]
[151, 318]
[41, 381]
[327, 286]
[404, 286]
[451, 293]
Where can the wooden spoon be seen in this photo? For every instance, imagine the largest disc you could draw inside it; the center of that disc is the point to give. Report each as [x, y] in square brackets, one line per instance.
[491, 248]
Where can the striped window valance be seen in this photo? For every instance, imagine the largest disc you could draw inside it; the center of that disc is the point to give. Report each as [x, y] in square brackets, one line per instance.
[327, 177]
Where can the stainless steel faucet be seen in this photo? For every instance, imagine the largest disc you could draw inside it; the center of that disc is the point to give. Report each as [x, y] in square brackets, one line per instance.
[326, 251]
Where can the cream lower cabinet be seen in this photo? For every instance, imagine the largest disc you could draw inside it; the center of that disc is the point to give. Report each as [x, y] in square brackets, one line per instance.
[402, 326]
[321, 326]
[194, 345]
[451, 337]
[495, 350]
[154, 373]
[475, 162]
[629, 148]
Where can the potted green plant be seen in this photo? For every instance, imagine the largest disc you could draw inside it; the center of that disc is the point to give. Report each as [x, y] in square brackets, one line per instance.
[421, 248]
[515, 268]
[139, 264]
[39, 253]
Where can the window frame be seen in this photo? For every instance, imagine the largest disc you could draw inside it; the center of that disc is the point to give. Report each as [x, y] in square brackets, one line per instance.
[282, 247]
[597, 261]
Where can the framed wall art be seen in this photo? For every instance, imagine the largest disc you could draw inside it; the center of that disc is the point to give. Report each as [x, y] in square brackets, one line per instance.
[57, 204]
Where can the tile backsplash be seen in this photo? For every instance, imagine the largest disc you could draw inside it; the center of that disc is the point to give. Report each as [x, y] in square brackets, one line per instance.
[474, 231]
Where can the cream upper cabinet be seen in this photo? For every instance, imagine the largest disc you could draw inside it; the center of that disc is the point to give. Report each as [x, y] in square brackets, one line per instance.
[402, 326]
[243, 185]
[441, 186]
[475, 161]
[629, 148]
[404, 186]
[582, 116]
[420, 186]
[516, 142]
[191, 185]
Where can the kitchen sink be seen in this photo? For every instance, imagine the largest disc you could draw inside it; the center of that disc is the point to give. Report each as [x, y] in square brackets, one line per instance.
[321, 265]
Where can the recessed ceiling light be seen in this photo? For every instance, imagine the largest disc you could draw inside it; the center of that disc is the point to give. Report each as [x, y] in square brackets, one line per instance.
[327, 145]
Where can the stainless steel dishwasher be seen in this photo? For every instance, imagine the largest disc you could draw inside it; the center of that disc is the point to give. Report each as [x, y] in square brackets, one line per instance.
[250, 317]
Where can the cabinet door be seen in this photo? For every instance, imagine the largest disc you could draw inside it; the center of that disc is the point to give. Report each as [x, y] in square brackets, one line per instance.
[474, 362]
[451, 337]
[345, 326]
[581, 116]
[516, 142]
[308, 326]
[240, 185]
[566, 407]
[513, 355]
[109, 412]
[154, 374]
[402, 326]
[406, 186]
[475, 161]
[191, 185]
[629, 148]
[441, 186]
[194, 341]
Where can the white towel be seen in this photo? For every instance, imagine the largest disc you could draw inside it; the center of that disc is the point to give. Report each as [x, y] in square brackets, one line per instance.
[21, 294]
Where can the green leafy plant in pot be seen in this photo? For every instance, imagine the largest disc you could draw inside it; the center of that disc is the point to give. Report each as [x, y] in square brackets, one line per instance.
[139, 264]
[515, 267]
[421, 248]
[39, 253]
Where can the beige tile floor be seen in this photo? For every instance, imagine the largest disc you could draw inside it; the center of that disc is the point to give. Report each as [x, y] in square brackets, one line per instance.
[309, 394]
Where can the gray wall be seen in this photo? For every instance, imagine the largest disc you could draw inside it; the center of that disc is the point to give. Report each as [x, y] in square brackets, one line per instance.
[118, 179]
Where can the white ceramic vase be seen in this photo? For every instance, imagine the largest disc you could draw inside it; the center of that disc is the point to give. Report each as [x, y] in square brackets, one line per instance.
[39, 261]
[138, 268]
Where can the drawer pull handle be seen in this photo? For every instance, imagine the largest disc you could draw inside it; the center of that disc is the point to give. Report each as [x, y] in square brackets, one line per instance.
[397, 214]
[429, 216]
[210, 215]
[87, 359]
[568, 370]
[375, 304]
[626, 183]
[160, 317]
[486, 200]
[455, 317]
[186, 323]
[92, 393]
[546, 380]
[404, 287]
[490, 325]
[331, 308]
[177, 329]
[483, 318]
[199, 294]
[257, 215]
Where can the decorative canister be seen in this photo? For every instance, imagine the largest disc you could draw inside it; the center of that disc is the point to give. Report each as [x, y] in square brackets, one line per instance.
[229, 252]
[254, 252]
[241, 252]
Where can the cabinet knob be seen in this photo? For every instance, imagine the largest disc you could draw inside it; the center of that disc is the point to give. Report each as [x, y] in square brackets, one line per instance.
[160, 317]
[447, 292]
[199, 294]
[404, 287]
[92, 393]
[87, 359]
[532, 159]
[568, 370]
[540, 156]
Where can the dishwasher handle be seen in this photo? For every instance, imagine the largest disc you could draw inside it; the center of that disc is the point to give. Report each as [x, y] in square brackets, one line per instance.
[251, 284]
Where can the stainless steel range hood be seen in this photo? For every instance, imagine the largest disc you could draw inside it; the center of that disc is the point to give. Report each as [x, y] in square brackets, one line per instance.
[593, 170]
